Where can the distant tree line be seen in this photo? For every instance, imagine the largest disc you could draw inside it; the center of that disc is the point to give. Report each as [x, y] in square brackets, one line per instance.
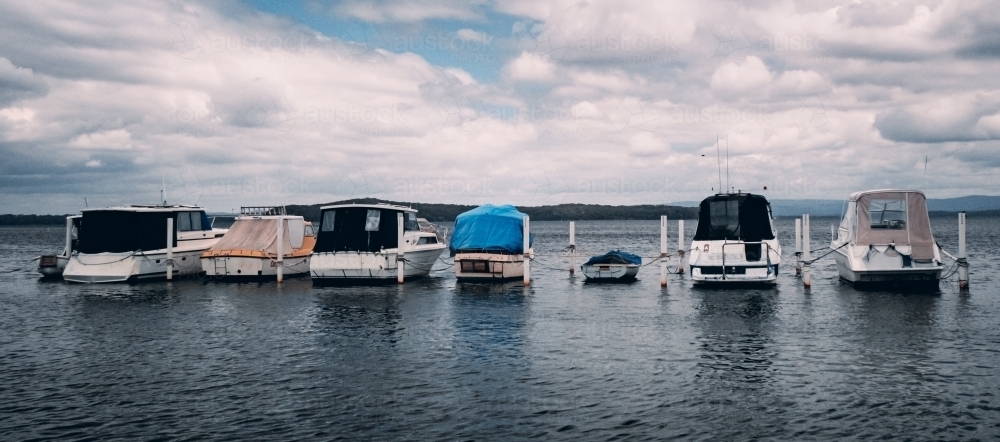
[560, 212]
[32, 220]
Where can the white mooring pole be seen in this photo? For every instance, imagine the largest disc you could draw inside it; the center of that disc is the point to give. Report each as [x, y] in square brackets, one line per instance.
[400, 264]
[572, 247]
[798, 246]
[681, 260]
[663, 250]
[69, 237]
[527, 254]
[806, 255]
[281, 239]
[963, 264]
[170, 248]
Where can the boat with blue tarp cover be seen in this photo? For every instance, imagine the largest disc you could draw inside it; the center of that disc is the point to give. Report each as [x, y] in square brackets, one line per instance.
[488, 243]
[615, 265]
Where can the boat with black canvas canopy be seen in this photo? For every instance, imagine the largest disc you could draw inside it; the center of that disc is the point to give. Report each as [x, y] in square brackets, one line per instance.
[735, 241]
[885, 237]
[140, 242]
[371, 243]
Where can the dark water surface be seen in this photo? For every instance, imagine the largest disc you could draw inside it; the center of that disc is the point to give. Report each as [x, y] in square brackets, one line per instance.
[434, 359]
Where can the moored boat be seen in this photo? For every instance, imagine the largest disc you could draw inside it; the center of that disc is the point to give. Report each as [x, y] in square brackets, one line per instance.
[488, 244]
[885, 238]
[736, 241]
[614, 266]
[371, 243]
[251, 246]
[134, 242]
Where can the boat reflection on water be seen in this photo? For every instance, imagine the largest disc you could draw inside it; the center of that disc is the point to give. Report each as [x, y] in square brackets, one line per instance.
[737, 357]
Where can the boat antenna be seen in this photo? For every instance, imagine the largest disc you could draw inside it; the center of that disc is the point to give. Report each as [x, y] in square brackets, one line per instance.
[718, 159]
[925, 163]
[727, 161]
[163, 190]
[85, 205]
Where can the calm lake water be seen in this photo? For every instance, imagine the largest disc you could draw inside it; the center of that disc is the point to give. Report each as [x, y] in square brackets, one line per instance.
[435, 359]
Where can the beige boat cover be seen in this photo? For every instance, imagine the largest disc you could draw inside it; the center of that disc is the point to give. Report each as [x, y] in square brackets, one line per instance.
[918, 224]
[254, 234]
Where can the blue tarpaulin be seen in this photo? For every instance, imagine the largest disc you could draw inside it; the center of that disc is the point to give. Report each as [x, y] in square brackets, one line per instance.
[489, 228]
[615, 257]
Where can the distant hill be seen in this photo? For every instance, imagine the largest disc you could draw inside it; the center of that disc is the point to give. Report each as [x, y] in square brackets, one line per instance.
[560, 212]
[982, 205]
[33, 220]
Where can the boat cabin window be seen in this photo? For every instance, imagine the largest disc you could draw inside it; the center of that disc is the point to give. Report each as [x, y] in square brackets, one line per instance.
[410, 222]
[887, 214]
[427, 240]
[309, 230]
[327, 223]
[371, 223]
[725, 218]
[191, 221]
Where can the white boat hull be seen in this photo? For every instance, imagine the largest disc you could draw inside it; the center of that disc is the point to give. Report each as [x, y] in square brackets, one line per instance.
[610, 272]
[375, 267]
[883, 268]
[121, 267]
[733, 267]
[243, 266]
[488, 266]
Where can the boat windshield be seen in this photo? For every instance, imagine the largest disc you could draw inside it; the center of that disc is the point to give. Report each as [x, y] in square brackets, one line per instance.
[724, 217]
[888, 214]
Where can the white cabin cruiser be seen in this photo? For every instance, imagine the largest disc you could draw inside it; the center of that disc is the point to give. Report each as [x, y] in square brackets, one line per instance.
[251, 246]
[52, 266]
[488, 244]
[885, 237]
[371, 243]
[133, 242]
[736, 241]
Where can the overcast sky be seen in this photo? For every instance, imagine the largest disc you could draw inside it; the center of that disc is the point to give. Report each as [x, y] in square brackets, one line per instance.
[525, 101]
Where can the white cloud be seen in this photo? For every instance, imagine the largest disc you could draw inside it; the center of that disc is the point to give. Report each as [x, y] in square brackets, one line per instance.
[470, 35]
[747, 76]
[113, 139]
[530, 67]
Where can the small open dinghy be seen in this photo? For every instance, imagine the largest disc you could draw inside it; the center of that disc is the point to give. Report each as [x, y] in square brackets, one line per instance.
[612, 266]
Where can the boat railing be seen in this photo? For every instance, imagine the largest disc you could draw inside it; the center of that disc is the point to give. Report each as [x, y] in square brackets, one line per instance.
[262, 210]
[766, 253]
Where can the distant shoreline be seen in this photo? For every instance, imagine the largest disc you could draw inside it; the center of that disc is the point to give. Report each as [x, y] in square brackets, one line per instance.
[448, 212]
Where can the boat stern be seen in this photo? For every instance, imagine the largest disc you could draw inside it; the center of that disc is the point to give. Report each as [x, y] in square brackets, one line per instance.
[721, 262]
